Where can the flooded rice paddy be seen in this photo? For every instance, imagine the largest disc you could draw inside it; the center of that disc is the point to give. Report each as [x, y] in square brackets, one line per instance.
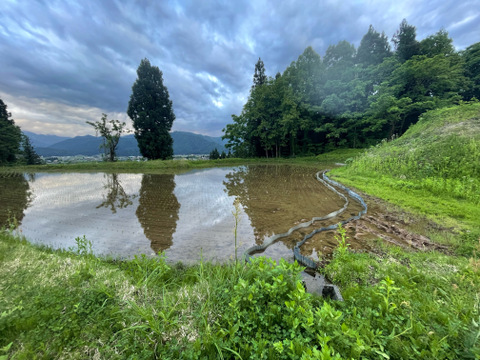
[186, 215]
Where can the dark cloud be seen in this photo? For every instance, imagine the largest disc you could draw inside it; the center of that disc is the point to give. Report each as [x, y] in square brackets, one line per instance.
[66, 62]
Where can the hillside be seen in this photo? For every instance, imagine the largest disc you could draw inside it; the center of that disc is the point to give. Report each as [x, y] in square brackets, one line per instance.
[439, 157]
[184, 143]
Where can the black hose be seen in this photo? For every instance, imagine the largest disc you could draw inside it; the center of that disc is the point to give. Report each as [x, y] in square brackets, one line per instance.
[309, 263]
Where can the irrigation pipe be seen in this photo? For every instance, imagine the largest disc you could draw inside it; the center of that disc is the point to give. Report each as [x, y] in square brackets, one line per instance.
[332, 185]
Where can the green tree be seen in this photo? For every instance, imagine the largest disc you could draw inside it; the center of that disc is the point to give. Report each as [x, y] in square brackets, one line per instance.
[29, 154]
[373, 49]
[302, 90]
[110, 132]
[437, 44]
[150, 109]
[342, 53]
[406, 44]
[471, 57]
[214, 154]
[419, 84]
[236, 135]
[259, 77]
[10, 136]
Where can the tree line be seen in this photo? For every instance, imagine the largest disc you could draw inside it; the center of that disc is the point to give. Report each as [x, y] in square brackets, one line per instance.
[353, 97]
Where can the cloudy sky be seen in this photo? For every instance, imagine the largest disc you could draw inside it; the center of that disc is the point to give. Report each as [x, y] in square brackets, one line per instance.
[64, 62]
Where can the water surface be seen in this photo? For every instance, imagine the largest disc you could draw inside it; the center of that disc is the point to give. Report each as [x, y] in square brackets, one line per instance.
[185, 215]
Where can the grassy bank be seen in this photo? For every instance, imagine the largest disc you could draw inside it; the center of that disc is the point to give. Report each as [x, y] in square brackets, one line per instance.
[432, 170]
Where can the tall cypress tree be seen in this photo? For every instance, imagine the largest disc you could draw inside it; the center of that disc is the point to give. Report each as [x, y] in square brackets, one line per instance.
[259, 77]
[150, 109]
[10, 136]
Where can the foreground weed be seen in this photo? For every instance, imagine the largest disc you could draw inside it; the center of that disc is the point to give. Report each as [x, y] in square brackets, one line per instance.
[386, 290]
[84, 246]
[341, 238]
[236, 215]
[148, 271]
[5, 350]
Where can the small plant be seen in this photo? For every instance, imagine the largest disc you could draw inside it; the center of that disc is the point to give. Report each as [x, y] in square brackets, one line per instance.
[148, 271]
[84, 246]
[386, 290]
[5, 350]
[236, 215]
[341, 238]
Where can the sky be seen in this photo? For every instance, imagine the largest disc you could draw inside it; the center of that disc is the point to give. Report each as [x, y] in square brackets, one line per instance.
[65, 62]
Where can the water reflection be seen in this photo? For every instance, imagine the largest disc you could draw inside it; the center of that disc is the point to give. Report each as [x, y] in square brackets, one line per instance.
[276, 197]
[116, 196]
[187, 215]
[157, 210]
[205, 224]
[15, 196]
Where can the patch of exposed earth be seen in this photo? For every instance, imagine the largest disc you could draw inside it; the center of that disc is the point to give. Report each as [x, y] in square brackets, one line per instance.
[394, 226]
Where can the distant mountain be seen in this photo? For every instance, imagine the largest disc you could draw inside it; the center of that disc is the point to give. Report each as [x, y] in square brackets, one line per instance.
[184, 143]
[39, 140]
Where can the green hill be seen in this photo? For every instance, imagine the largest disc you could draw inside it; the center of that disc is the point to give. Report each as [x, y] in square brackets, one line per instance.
[433, 168]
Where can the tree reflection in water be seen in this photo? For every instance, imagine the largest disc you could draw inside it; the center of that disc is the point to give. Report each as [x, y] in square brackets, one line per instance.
[15, 197]
[277, 197]
[158, 209]
[116, 197]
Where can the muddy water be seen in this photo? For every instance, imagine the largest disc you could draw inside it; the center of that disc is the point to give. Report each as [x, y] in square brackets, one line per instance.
[186, 215]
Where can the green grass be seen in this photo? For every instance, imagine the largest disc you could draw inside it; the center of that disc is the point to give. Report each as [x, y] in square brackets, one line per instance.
[412, 305]
[398, 305]
[433, 169]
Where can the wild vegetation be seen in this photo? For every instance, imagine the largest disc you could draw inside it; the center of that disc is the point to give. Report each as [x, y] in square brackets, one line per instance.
[433, 169]
[352, 97]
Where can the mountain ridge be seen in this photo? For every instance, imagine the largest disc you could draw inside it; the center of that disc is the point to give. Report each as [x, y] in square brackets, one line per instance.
[184, 143]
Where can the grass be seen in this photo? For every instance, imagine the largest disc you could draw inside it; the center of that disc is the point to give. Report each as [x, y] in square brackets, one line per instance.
[432, 170]
[398, 304]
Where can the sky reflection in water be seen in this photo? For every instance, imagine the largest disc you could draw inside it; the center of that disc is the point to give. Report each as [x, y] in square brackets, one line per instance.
[186, 215]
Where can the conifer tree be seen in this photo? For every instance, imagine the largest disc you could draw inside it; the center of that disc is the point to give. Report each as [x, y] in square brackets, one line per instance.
[150, 109]
[10, 136]
[259, 77]
[30, 155]
[405, 41]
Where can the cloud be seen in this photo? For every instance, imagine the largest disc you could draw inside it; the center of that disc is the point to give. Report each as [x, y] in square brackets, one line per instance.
[66, 62]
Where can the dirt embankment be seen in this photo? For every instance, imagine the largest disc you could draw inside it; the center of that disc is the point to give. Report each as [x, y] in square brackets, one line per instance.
[394, 226]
